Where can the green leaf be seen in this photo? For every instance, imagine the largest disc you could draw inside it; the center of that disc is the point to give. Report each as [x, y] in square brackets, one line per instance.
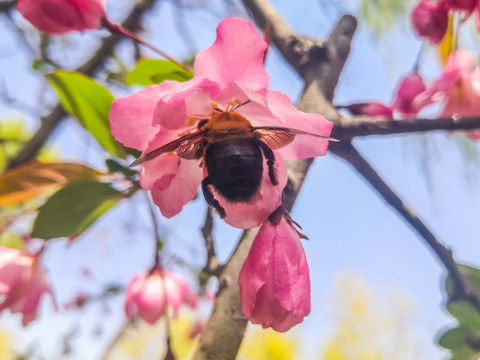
[152, 71]
[454, 338]
[73, 209]
[473, 274]
[115, 167]
[90, 103]
[464, 339]
[465, 314]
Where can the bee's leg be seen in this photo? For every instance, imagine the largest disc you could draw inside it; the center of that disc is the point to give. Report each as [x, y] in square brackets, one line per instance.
[270, 156]
[209, 198]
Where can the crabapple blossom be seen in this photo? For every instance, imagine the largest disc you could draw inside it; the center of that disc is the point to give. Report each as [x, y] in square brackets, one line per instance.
[430, 20]
[23, 282]
[149, 294]
[405, 102]
[274, 280]
[230, 72]
[458, 88]
[58, 17]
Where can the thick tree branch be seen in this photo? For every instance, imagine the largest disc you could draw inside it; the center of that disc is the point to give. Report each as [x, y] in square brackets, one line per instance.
[6, 6]
[347, 128]
[225, 329]
[50, 121]
[462, 286]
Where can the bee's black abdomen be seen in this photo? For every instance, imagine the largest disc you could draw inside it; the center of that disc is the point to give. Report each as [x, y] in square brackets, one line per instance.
[235, 168]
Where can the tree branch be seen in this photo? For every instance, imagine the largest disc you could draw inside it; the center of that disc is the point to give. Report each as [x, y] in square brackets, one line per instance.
[6, 6]
[462, 286]
[212, 267]
[50, 121]
[347, 128]
[224, 331]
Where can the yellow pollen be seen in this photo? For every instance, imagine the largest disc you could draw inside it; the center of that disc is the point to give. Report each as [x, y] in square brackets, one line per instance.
[214, 105]
[231, 103]
[238, 101]
[191, 120]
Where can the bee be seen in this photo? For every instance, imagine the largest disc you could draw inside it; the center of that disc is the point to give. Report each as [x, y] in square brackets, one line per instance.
[233, 153]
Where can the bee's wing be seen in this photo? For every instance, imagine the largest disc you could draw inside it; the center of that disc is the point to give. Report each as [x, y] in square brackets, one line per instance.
[188, 147]
[278, 137]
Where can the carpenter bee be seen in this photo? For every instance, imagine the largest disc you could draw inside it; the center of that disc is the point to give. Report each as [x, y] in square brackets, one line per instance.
[232, 151]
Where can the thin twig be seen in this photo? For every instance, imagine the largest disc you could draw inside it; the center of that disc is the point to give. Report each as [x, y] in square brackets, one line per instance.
[212, 266]
[118, 29]
[462, 285]
[156, 231]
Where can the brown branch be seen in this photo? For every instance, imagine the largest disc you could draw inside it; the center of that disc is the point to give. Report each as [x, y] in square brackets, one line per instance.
[462, 286]
[6, 6]
[212, 266]
[224, 331]
[50, 121]
[347, 128]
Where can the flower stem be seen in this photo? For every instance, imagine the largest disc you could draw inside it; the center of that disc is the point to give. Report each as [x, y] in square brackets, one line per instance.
[118, 29]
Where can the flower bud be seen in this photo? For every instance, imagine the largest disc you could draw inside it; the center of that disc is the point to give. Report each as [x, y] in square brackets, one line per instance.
[58, 17]
[430, 20]
[148, 294]
[274, 280]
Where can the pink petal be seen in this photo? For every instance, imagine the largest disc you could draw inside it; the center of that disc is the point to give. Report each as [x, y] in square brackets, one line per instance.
[409, 88]
[378, 109]
[171, 110]
[236, 56]
[266, 200]
[176, 289]
[430, 20]
[131, 117]
[460, 60]
[173, 181]
[281, 112]
[57, 17]
[464, 5]
[274, 280]
[459, 65]
[146, 294]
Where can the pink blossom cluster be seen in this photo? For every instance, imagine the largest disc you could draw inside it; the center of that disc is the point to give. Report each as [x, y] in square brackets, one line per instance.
[430, 19]
[23, 282]
[457, 89]
[274, 281]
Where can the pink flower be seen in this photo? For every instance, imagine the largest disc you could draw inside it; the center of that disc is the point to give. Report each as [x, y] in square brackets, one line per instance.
[58, 17]
[430, 20]
[458, 88]
[149, 294]
[227, 74]
[405, 102]
[274, 280]
[23, 281]
[463, 5]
